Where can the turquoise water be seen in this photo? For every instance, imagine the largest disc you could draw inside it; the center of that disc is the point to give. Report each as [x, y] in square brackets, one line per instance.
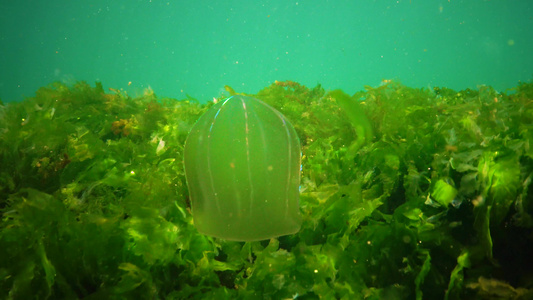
[181, 48]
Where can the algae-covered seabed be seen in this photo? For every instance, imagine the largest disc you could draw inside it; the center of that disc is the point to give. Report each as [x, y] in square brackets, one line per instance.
[434, 204]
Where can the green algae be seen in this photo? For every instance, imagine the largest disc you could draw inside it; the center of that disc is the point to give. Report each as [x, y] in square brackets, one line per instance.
[429, 203]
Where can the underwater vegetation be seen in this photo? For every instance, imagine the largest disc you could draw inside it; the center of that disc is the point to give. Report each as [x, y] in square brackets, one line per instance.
[405, 194]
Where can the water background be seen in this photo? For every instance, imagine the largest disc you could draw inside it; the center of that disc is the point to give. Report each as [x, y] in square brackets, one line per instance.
[194, 48]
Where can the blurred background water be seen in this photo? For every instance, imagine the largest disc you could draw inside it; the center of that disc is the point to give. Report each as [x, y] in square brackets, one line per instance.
[194, 48]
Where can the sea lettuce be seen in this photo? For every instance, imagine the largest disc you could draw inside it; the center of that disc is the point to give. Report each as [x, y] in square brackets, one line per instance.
[405, 193]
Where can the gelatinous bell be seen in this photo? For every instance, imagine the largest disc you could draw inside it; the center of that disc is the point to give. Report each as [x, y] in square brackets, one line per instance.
[242, 163]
